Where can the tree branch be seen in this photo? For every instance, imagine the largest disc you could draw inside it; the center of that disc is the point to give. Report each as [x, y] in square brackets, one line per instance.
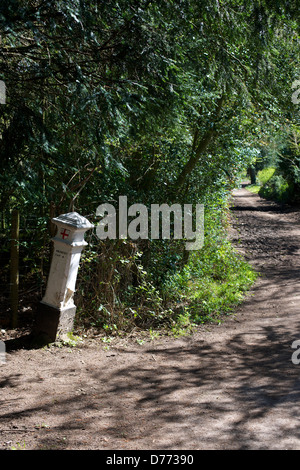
[199, 149]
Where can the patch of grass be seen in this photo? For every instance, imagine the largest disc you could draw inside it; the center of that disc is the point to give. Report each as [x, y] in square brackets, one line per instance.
[265, 175]
[210, 299]
[222, 289]
[69, 339]
[254, 188]
[212, 284]
[19, 446]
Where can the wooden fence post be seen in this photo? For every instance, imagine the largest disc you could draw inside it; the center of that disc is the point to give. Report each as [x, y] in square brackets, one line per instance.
[14, 267]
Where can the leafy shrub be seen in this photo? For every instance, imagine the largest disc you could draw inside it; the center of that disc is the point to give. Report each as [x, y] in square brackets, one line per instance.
[277, 188]
[118, 291]
[265, 175]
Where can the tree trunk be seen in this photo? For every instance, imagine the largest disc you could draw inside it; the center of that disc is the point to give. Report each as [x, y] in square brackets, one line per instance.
[199, 148]
[252, 175]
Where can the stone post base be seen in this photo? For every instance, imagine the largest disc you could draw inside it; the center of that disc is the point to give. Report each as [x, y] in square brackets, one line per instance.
[52, 323]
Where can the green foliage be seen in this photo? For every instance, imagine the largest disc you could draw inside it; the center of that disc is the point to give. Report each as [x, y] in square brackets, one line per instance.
[160, 101]
[254, 188]
[264, 175]
[277, 189]
[282, 183]
[215, 279]
[211, 297]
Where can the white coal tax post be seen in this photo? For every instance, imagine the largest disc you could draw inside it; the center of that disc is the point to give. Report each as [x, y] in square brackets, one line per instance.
[56, 311]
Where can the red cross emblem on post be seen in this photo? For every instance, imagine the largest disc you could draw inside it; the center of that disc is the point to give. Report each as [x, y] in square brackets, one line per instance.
[64, 233]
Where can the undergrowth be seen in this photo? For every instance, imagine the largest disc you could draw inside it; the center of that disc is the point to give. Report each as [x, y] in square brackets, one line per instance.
[263, 176]
[277, 189]
[117, 294]
[213, 283]
[273, 185]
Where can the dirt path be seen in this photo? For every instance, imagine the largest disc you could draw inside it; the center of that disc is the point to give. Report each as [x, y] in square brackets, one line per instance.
[231, 386]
